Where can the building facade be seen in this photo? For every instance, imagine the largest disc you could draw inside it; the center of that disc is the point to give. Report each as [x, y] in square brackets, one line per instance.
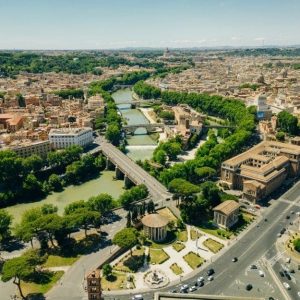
[226, 214]
[262, 169]
[94, 285]
[40, 148]
[155, 227]
[65, 137]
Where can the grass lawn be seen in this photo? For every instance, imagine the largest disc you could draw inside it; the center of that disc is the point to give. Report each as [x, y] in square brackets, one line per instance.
[176, 269]
[57, 261]
[247, 217]
[213, 245]
[116, 282]
[195, 234]
[120, 265]
[193, 260]
[178, 246]
[41, 288]
[158, 256]
[182, 236]
[165, 212]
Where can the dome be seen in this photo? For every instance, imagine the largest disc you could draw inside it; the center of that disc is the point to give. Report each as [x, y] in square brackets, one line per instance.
[155, 221]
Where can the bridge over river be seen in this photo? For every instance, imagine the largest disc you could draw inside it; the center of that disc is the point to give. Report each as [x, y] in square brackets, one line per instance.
[126, 167]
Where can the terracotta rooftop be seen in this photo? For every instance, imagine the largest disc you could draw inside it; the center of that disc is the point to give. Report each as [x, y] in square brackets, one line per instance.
[227, 207]
[155, 220]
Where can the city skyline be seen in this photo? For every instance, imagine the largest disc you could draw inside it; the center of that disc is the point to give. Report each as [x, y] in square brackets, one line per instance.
[113, 24]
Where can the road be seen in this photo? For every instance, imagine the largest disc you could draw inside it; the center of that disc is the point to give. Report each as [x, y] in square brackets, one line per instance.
[249, 248]
[135, 173]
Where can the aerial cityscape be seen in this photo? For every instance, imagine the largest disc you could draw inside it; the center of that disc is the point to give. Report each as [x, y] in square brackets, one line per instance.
[149, 150]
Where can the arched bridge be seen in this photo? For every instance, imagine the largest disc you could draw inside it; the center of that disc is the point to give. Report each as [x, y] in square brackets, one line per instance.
[130, 170]
[151, 127]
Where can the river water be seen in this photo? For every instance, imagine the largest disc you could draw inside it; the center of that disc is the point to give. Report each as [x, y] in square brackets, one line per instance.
[141, 145]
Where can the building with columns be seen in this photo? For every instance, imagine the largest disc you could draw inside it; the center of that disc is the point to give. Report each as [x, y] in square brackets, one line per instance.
[226, 214]
[155, 227]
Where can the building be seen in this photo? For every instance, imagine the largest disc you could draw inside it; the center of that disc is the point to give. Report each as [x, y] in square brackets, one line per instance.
[95, 102]
[262, 169]
[66, 137]
[155, 227]
[263, 110]
[94, 285]
[25, 149]
[226, 214]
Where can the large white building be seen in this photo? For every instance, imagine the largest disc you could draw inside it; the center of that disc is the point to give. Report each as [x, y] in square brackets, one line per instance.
[66, 137]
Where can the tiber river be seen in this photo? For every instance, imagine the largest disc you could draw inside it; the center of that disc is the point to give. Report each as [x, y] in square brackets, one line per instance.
[140, 146]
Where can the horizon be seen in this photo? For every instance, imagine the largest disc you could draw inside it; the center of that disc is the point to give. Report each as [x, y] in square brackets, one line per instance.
[116, 24]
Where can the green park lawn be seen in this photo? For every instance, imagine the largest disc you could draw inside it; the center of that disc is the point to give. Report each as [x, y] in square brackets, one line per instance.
[58, 261]
[116, 281]
[176, 269]
[193, 260]
[49, 279]
[195, 234]
[178, 246]
[158, 256]
[183, 236]
[120, 265]
[213, 245]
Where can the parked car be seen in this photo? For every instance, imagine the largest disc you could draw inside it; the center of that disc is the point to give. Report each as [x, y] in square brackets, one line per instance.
[281, 273]
[261, 273]
[200, 279]
[287, 217]
[253, 267]
[200, 283]
[192, 288]
[210, 278]
[235, 259]
[249, 287]
[286, 285]
[210, 272]
[184, 288]
[137, 297]
[283, 230]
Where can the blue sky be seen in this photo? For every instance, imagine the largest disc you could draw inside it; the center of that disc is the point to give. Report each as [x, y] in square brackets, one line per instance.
[99, 24]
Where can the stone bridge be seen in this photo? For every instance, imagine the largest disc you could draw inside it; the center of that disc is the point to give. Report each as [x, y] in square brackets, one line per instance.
[130, 171]
[151, 127]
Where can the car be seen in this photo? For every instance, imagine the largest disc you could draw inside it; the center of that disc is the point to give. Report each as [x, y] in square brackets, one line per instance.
[283, 230]
[210, 278]
[200, 283]
[193, 288]
[137, 297]
[174, 291]
[249, 287]
[288, 276]
[281, 273]
[200, 279]
[266, 219]
[184, 288]
[291, 223]
[210, 272]
[271, 298]
[286, 285]
[288, 260]
[292, 212]
[261, 273]
[235, 259]
[298, 294]
[253, 267]
[287, 217]
[279, 234]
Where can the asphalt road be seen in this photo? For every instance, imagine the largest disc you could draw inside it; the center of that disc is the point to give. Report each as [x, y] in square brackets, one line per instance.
[249, 248]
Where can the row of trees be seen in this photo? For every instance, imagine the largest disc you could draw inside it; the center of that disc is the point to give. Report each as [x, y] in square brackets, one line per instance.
[70, 93]
[24, 178]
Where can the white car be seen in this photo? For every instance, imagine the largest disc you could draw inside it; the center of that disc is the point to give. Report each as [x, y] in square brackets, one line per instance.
[200, 279]
[137, 297]
[298, 294]
[210, 278]
[261, 273]
[286, 285]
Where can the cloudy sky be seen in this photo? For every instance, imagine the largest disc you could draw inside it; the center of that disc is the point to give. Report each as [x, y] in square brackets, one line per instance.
[102, 24]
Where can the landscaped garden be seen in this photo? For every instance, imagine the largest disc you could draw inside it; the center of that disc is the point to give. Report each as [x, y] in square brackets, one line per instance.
[158, 256]
[176, 269]
[213, 245]
[195, 234]
[182, 236]
[131, 263]
[116, 281]
[193, 260]
[178, 246]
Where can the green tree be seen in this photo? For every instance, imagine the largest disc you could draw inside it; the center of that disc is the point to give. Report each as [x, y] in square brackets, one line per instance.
[107, 270]
[32, 163]
[126, 238]
[5, 223]
[287, 122]
[128, 218]
[160, 156]
[21, 100]
[150, 207]
[296, 244]
[55, 183]
[280, 136]
[113, 134]
[102, 203]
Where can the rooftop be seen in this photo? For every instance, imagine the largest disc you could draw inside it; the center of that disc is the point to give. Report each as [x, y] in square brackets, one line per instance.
[227, 207]
[155, 220]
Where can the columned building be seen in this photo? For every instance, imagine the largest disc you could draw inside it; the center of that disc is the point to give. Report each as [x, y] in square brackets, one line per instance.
[226, 214]
[155, 227]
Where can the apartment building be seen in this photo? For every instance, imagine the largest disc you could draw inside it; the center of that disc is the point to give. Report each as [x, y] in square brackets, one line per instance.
[28, 148]
[66, 137]
[262, 169]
